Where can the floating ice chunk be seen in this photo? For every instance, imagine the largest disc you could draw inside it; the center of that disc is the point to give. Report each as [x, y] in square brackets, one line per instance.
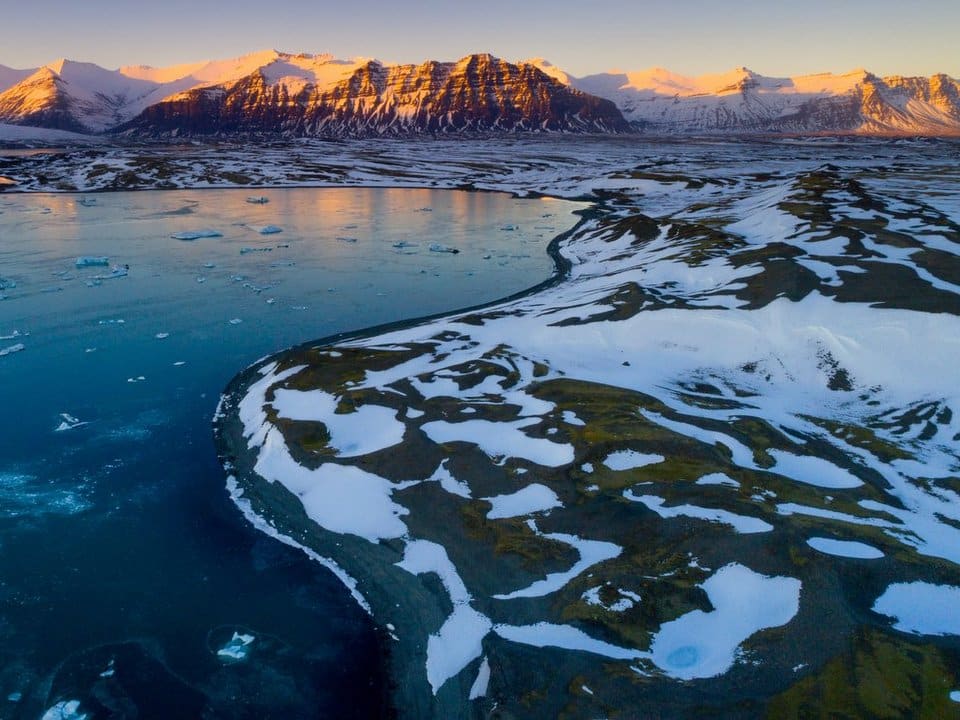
[704, 644]
[439, 248]
[955, 696]
[258, 200]
[162, 335]
[92, 261]
[404, 244]
[15, 334]
[631, 459]
[479, 687]
[15, 697]
[69, 422]
[743, 524]
[109, 671]
[196, 234]
[845, 548]
[812, 470]
[587, 467]
[65, 710]
[235, 321]
[922, 608]
[267, 229]
[237, 648]
[10, 349]
[533, 498]
[247, 250]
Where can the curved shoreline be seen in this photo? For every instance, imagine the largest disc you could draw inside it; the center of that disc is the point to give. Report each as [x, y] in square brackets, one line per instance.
[737, 379]
[228, 438]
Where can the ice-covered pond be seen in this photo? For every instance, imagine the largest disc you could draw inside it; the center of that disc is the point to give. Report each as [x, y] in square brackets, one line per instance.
[127, 578]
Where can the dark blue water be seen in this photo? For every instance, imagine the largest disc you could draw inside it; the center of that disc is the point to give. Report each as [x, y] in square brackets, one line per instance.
[124, 568]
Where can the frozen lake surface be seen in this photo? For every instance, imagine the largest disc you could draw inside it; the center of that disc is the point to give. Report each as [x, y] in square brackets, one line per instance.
[129, 580]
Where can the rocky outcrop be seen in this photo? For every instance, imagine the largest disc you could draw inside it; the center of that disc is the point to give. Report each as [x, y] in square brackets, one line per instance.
[478, 93]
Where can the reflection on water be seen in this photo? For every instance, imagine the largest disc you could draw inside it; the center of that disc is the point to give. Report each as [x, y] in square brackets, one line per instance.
[125, 570]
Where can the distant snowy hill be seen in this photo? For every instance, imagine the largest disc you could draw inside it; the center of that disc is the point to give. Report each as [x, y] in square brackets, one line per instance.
[742, 101]
[274, 92]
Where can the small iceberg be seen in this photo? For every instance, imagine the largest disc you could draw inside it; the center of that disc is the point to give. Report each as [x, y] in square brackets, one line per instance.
[65, 710]
[69, 422]
[346, 239]
[87, 202]
[196, 234]
[404, 244]
[267, 229]
[10, 350]
[116, 271]
[258, 200]
[438, 248]
[92, 261]
[237, 648]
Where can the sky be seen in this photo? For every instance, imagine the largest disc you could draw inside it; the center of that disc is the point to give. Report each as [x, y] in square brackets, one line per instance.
[690, 37]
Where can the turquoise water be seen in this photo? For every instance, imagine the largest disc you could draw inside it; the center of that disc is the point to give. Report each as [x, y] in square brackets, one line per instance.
[124, 568]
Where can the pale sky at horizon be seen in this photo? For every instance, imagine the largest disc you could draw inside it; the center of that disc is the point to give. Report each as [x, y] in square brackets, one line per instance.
[690, 37]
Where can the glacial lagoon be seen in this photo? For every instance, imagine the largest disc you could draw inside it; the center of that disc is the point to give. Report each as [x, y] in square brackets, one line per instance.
[130, 582]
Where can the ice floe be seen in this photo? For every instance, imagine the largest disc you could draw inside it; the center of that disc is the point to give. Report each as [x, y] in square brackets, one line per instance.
[237, 648]
[196, 234]
[65, 710]
[482, 681]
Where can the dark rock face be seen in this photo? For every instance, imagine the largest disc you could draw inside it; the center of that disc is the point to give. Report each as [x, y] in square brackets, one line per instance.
[478, 93]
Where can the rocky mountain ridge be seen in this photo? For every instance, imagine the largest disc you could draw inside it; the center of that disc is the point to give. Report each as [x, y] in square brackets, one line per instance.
[318, 95]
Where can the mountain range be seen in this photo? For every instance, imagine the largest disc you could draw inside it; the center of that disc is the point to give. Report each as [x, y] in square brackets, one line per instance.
[272, 92]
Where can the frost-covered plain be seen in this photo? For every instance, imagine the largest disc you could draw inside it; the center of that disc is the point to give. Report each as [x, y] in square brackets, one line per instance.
[743, 389]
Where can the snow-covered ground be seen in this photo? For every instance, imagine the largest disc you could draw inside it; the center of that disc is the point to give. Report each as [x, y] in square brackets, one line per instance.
[737, 411]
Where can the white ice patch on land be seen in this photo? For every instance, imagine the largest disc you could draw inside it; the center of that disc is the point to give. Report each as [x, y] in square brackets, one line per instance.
[367, 429]
[812, 471]
[502, 439]
[922, 608]
[533, 498]
[591, 553]
[631, 459]
[704, 644]
[340, 498]
[845, 548]
[479, 687]
[718, 478]
[743, 524]
[459, 640]
[448, 482]
[545, 634]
